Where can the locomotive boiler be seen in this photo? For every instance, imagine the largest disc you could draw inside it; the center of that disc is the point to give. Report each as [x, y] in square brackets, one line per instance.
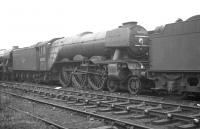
[129, 36]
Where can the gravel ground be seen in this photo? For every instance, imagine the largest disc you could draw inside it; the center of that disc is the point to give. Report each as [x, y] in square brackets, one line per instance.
[10, 119]
[73, 120]
[15, 120]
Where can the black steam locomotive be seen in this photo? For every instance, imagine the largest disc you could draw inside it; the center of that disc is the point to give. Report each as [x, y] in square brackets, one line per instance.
[126, 58]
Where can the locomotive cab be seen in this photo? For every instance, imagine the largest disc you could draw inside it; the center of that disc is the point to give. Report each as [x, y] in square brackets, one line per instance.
[42, 52]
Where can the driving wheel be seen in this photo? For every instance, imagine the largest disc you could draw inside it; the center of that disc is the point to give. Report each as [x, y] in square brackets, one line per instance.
[97, 79]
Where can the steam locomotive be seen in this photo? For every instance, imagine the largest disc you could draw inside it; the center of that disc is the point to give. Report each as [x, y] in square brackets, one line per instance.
[126, 58]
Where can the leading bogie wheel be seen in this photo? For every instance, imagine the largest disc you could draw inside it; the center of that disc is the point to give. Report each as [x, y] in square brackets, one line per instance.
[134, 85]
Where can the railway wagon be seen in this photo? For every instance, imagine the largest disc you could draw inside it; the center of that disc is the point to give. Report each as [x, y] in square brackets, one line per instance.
[174, 57]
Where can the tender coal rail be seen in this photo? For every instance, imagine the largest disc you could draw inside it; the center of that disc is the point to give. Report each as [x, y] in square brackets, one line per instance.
[121, 111]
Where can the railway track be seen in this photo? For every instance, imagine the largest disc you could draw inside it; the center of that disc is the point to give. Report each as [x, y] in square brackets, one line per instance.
[121, 111]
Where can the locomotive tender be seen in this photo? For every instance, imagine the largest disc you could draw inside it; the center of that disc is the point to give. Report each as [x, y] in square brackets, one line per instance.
[173, 55]
[128, 57]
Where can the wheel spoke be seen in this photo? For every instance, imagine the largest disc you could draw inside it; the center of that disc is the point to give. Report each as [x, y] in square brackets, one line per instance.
[97, 78]
[79, 80]
[96, 82]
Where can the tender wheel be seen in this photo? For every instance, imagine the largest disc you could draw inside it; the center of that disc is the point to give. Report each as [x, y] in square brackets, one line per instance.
[97, 79]
[113, 85]
[134, 85]
[65, 77]
[79, 79]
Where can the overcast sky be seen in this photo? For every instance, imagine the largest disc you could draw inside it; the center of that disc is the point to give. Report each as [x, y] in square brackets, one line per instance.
[26, 22]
